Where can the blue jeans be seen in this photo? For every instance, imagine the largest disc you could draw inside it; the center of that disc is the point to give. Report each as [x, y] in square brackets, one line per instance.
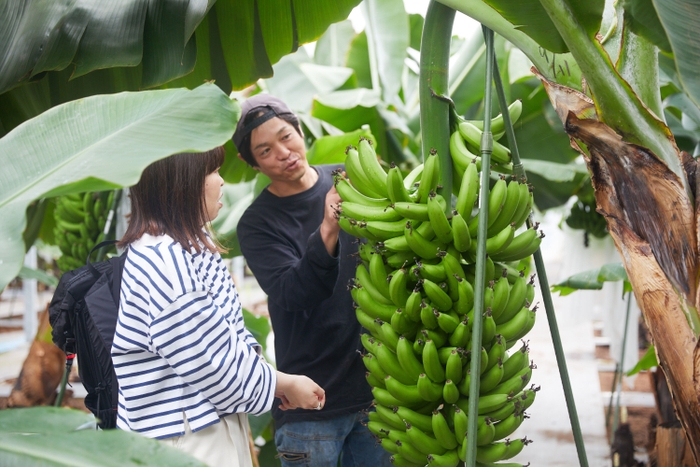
[322, 443]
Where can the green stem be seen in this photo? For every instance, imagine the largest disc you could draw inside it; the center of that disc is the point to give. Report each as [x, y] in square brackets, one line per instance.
[433, 88]
[617, 104]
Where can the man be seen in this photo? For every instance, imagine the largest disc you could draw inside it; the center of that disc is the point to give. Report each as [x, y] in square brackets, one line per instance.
[303, 261]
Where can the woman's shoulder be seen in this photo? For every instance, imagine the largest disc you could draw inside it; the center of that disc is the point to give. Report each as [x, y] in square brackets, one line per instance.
[160, 256]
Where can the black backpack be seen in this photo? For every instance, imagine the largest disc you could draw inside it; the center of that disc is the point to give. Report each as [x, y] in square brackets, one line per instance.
[83, 313]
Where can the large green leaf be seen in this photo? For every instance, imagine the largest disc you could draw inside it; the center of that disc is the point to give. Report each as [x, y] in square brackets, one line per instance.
[641, 18]
[331, 149]
[679, 19]
[387, 44]
[333, 46]
[98, 143]
[51, 436]
[87, 35]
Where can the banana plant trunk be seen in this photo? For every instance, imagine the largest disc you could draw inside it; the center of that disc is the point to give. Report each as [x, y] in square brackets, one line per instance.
[653, 221]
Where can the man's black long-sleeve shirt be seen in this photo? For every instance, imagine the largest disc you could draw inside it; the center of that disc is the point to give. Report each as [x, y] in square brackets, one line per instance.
[316, 332]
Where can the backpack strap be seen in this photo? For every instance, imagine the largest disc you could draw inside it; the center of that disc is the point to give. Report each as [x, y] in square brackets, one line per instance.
[92, 268]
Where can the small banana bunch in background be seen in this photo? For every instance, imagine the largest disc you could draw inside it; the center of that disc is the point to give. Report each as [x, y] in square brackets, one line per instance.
[466, 140]
[414, 291]
[80, 223]
[583, 216]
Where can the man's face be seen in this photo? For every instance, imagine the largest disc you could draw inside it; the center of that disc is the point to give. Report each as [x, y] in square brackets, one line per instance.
[279, 151]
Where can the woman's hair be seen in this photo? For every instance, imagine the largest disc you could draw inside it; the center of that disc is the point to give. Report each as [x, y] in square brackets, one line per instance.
[169, 199]
[245, 150]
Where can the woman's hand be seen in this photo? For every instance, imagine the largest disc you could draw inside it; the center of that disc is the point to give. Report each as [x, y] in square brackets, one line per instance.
[299, 392]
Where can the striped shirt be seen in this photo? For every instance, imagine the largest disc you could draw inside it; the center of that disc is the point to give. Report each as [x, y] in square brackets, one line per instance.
[180, 344]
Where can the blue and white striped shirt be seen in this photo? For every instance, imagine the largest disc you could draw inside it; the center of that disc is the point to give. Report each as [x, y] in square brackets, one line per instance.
[181, 344]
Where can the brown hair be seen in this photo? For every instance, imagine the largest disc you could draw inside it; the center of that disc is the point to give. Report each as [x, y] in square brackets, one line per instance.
[169, 199]
[244, 148]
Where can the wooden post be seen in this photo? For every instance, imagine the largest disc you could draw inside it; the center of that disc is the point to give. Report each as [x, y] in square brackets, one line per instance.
[672, 448]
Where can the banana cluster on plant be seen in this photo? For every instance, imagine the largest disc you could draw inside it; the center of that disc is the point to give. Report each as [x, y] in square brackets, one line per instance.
[466, 140]
[584, 217]
[80, 224]
[414, 291]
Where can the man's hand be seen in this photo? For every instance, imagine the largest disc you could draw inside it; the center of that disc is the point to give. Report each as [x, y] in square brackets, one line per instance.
[329, 226]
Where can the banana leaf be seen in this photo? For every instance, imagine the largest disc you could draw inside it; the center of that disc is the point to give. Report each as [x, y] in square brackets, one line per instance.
[100, 143]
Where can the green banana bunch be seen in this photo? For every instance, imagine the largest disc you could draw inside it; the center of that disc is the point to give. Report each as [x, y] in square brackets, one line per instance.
[79, 225]
[414, 290]
[583, 216]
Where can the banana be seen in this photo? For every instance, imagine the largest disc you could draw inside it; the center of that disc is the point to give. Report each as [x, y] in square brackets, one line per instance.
[514, 447]
[490, 403]
[491, 452]
[429, 390]
[371, 166]
[388, 444]
[420, 244]
[382, 397]
[433, 272]
[412, 308]
[375, 309]
[498, 242]
[413, 211]
[68, 226]
[431, 362]
[516, 300]
[437, 296]
[444, 353]
[427, 316]
[448, 322]
[497, 351]
[442, 431]
[508, 426]
[450, 392]
[436, 335]
[397, 287]
[369, 343]
[389, 417]
[364, 279]
[506, 215]
[510, 329]
[395, 188]
[471, 134]
[430, 178]
[390, 364]
[373, 381]
[516, 362]
[453, 367]
[529, 324]
[407, 393]
[357, 175]
[369, 213]
[379, 276]
[403, 325]
[524, 206]
[389, 336]
[384, 230]
[515, 109]
[400, 259]
[438, 219]
[379, 428]
[525, 252]
[503, 412]
[411, 455]
[449, 459]
[400, 460]
[462, 157]
[397, 244]
[373, 366]
[468, 192]
[465, 300]
[461, 336]
[488, 328]
[418, 346]
[485, 434]
[461, 237]
[518, 244]
[422, 421]
[491, 378]
[407, 359]
[423, 442]
[409, 182]
[527, 397]
[460, 423]
[501, 293]
[367, 322]
[348, 192]
[515, 384]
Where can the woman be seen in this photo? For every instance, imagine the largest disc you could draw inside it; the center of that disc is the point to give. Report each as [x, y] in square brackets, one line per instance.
[188, 370]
